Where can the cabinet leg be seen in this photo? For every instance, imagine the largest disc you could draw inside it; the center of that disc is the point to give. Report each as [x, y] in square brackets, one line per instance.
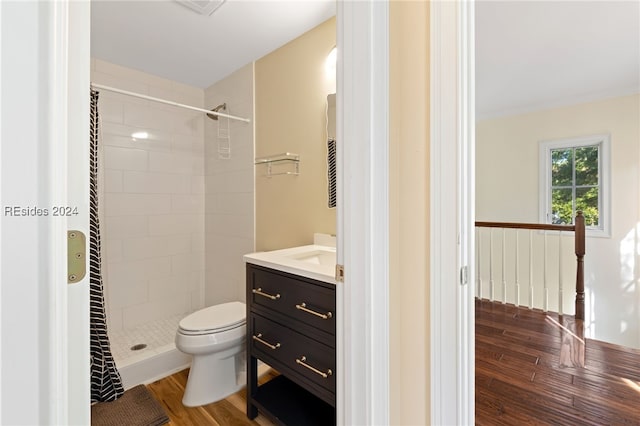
[252, 411]
[252, 386]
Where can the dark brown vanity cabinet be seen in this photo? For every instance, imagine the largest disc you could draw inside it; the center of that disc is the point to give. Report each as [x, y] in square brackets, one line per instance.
[291, 326]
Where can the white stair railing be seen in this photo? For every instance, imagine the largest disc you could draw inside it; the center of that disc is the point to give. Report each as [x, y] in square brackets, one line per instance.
[549, 266]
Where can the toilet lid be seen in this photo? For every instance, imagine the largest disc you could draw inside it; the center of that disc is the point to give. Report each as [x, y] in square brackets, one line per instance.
[216, 317]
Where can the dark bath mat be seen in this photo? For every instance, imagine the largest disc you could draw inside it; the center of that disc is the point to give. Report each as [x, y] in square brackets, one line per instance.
[136, 407]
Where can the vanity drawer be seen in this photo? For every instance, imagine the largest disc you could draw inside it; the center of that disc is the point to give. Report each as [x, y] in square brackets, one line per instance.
[305, 301]
[302, 355]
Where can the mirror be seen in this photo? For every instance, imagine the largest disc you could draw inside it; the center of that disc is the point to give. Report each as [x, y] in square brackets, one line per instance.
[331, 149]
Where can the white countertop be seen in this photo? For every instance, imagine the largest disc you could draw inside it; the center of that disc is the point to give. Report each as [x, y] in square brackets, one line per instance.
[312, 261]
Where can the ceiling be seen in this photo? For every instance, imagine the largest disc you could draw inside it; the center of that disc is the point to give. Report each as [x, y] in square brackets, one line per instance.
[170, 40]
[540, 54]
[529, 54]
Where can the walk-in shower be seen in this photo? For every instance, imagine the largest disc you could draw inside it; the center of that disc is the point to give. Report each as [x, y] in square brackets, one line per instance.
[167, 183]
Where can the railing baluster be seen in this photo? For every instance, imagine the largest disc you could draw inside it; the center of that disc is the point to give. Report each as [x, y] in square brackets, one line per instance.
[491, 265]
[560, 285]
[517, 270]
[545, 294]
[504, 263]
[478, 263]
[530, 269]
[580, 250]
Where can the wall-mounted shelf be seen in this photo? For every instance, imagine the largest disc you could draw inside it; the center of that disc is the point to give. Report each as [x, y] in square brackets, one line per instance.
[286, 163]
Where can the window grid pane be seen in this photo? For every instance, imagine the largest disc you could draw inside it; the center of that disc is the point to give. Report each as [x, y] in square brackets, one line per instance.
[586, 165]
[562, 206]
[587, 202]
[562, 167]
[575, 184]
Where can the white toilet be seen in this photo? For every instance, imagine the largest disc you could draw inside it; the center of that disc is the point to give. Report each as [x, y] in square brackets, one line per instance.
[215, 337]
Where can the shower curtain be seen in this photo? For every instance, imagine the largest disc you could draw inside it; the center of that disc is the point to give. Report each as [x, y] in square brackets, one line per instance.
[106, 384]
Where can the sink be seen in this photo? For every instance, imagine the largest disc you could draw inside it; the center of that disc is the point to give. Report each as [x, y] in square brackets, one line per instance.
[317, 257]
[312, 261]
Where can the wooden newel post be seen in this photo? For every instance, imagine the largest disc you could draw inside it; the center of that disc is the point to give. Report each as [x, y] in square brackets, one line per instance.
[580, 251]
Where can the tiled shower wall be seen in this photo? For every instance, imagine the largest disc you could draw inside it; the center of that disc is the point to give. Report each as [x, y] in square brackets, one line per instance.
[154, 198]
[229, 219]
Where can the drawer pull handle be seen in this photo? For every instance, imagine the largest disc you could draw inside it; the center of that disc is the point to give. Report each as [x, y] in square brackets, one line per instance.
[258, 338]
[303, 307]
[302, 362]
[261, 293]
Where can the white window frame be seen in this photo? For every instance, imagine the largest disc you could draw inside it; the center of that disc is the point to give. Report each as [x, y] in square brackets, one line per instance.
[604, 172]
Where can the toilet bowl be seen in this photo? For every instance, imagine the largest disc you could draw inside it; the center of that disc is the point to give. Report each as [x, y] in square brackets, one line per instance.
[215, 337]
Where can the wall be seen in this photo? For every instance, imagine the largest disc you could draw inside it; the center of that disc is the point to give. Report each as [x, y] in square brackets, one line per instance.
[153, 221]
[409, 371]
[510, 193]
[290, 95]
[229, 188]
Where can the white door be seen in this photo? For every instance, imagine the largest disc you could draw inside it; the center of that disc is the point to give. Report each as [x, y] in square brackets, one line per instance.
[44, 82]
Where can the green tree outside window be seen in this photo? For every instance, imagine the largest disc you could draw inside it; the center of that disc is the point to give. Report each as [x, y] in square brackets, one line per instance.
[575, 184]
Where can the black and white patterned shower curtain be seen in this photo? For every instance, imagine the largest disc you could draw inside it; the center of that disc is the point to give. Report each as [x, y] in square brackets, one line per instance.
[106, 384]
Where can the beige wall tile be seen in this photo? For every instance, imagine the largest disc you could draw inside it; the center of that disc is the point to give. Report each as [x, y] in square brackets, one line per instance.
[173, 304]
[112, 180]
[117, 158]
[142, 269]
[225, 269]
[129, 74]
[176, 224]
[156, 183]
[117, 83]
[153, 247]
[187, 203]
[117, 204]
[125, 226]
[175, 162]
[140, 178]
[129, 292]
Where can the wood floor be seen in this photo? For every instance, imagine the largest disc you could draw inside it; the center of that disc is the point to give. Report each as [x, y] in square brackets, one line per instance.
[527, 372]
[228, 412]
[520, 377]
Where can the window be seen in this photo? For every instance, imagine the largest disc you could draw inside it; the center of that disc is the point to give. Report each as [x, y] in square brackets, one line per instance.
[575, 177]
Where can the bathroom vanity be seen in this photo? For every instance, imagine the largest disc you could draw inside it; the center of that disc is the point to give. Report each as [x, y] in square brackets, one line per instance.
[291, 326]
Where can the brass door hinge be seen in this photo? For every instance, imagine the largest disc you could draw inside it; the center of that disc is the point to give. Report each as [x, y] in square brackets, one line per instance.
[340, 273]
[76, 256]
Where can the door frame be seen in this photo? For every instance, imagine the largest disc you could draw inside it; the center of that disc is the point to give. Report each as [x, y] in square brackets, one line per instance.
[78, 128]
[363, 250]
[69, 107]
[363, 226]
[362, 110]
[452, 191]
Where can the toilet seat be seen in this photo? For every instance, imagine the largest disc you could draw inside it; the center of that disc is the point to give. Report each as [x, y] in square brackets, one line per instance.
[214, 319]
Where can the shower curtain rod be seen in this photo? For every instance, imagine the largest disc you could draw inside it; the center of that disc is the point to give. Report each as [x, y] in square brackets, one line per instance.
[164, 101]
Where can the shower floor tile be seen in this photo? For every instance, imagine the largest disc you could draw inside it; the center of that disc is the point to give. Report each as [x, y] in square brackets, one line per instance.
[158, 336]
